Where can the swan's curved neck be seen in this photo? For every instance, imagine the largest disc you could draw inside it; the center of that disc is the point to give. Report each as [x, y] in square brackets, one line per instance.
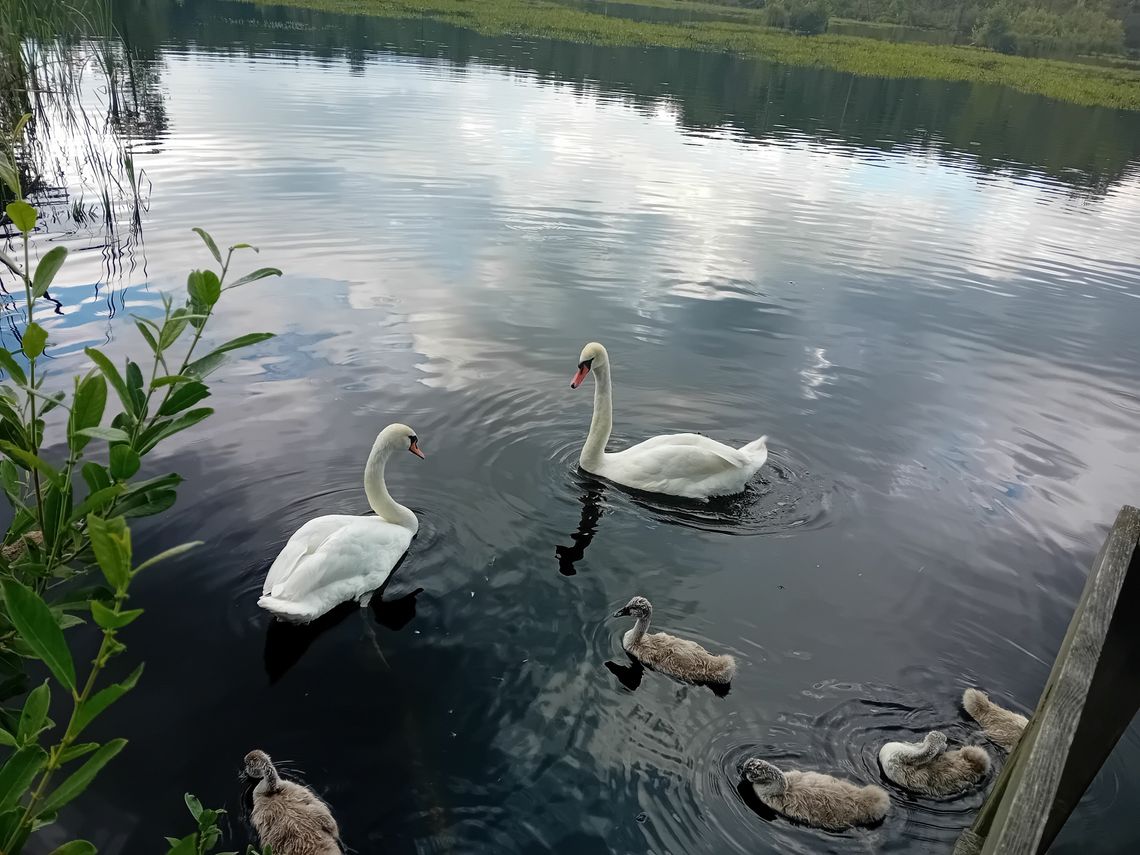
[271, 783]
[639, 630]
[602, 422]
[917, 753]
[379, 498]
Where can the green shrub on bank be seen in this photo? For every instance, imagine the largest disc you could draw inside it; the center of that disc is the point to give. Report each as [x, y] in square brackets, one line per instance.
[70, 507]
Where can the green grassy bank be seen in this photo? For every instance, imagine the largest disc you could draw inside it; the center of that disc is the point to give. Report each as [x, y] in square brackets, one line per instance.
[1080, 84]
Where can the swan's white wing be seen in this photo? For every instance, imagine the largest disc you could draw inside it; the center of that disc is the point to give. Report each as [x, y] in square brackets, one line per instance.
[692, 440]
[357, 554]
[305, 541]
[675, 469]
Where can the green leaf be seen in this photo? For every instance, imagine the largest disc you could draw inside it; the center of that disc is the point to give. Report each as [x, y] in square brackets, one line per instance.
[109, 619]
[167, 554]
[76, 847]
[38, 628]
[22, 215]
[96, 476]
[35, 338]
[94, 706]
[194, 806]
[148, 504]
[124, 462]
[210, 245]
[113, 376]
[98, 501]
[186, 395]
[111, 542]
[52, 402]
[204, 287]
[34, 713]
[135, 386]
[170, 380]
[12, 367]
[18, 773]
[47, 268]
[21, 123]
[207, 365]
[7, 739]
[238, 246]
[244, 341]
[86, 410]
[57, 508]
[29, 461]
[81, 777]
[10, 478]
[261, 273]
[161, 430]
[108, 433]
[77, 751]
[9, 176]
[186, 846]
[144, 330]
[172, 328]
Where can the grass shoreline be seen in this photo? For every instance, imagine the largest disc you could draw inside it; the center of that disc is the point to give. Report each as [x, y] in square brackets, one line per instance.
[1087, 85]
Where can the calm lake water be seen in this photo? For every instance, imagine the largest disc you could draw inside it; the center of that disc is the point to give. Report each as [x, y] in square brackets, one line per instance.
[927, 295]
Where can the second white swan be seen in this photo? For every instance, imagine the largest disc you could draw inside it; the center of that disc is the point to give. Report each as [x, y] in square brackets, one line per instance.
[679, 464]
[335, 558]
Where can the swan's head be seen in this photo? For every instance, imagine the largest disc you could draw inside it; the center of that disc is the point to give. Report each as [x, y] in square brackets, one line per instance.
[257, 764]
[936, 740]
[763, 774]
[593, 356]
[638, 607]
[401, 436]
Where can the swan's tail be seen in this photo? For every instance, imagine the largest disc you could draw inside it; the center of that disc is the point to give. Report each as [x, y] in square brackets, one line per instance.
[875, 803]
[286, 610]
[758, 450]
[977, 758]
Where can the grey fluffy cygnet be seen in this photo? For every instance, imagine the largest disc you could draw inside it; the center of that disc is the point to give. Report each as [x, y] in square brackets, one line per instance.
[678, 657]
[288, 817]
[816, 799]
[1003, 727]
[928, 769]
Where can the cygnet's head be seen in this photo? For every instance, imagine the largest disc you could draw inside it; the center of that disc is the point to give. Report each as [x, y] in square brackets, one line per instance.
[936, 739]
[257, 764]
[593, 356]
[763, 774]
[402, 436]
[638, 607]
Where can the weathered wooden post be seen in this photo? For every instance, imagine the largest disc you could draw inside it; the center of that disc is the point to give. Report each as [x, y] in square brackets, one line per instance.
[1089, 700]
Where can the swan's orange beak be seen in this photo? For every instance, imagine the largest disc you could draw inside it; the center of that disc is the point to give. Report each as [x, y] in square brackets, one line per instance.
[583, 370]
[414, 448]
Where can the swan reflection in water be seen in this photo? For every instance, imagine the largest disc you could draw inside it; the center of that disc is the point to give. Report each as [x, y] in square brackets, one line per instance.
[592, 510]
[286, 643]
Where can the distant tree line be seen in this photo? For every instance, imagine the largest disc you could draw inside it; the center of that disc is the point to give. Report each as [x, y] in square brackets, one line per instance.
[1029, 27]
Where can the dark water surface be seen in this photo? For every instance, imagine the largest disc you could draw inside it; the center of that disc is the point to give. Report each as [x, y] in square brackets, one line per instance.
[927, 295]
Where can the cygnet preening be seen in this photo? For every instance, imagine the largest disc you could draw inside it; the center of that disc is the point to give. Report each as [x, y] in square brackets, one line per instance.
[678, 657]
[816, 799]
[289, 818]
[1002, 726]
[928, 769]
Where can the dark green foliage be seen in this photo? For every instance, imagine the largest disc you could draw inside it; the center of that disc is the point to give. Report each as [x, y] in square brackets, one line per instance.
[53, 538]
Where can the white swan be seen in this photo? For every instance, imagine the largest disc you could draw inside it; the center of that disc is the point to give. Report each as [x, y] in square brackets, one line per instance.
[336, 558]
[679, 464]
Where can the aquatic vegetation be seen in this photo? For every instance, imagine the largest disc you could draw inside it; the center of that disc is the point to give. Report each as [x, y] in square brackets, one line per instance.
[203, 841]
[56, 537]
[1081, 84]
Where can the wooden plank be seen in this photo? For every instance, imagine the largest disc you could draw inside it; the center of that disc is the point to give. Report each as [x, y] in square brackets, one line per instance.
[1089, 699]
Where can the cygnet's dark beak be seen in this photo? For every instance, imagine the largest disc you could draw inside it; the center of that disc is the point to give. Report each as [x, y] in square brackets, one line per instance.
[622, 612]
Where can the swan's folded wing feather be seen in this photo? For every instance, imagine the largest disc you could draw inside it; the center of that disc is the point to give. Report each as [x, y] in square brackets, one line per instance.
[691, 440]
[671, 468]
[358, 547]
[305, 541]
